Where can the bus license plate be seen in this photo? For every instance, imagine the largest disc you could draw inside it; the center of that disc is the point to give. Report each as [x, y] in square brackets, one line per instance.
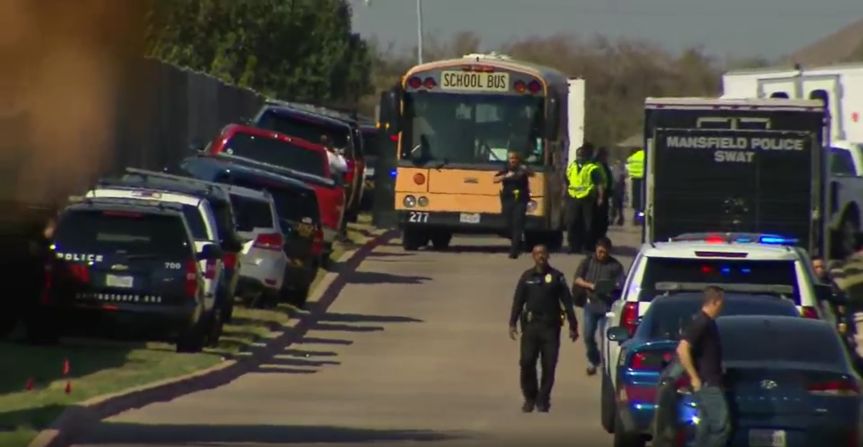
[471, 218]
[124, 282]
[766, 438]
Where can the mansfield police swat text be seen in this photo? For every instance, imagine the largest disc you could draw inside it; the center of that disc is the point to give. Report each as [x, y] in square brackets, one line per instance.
[735, 149]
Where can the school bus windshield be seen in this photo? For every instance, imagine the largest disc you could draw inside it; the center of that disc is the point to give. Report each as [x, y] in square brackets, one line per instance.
[472, 128]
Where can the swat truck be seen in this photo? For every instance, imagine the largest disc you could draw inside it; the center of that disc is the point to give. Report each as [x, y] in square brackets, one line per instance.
[735, 165]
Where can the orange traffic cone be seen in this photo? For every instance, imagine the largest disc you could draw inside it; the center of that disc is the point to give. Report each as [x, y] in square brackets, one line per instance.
[66, 367]
[68, 386]
[29, 385]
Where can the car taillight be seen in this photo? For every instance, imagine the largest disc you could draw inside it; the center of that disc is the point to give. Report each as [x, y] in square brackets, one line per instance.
[210, 271]
[230, 260]
[191, 285]
[47, 283]
[272, 241]
[836, 387]
[349, 176]
[318, 241]
[651, 360]
[80, 272]
[630, 317]
[809, 312]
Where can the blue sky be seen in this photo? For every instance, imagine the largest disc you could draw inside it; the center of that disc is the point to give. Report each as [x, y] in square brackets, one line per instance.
[738, 28]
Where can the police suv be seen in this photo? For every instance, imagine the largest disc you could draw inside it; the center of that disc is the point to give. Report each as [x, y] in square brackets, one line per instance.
[126, 269]
[690, 262]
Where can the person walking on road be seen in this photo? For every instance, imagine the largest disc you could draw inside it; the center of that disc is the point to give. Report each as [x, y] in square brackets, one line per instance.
[540, 294]
[598, 276]
[585, 191]
[603, 209]
[338, 169]
[514, 195]
[635, 171]
[618, 193]
[700, 354]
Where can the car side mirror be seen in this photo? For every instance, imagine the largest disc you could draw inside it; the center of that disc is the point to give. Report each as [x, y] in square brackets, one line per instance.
[209, 252]
[618, 334]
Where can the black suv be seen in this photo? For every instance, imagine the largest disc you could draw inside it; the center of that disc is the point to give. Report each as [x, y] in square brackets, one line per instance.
[125, 269]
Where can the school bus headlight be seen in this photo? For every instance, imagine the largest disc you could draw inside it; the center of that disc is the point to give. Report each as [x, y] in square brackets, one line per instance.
[410, 201]
[531, 206]
[423, 201]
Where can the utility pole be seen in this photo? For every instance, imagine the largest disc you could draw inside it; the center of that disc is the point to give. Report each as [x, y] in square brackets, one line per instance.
[419, 31]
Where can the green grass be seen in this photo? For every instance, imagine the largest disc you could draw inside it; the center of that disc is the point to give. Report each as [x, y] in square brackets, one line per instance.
[99, 368]
[94, 370]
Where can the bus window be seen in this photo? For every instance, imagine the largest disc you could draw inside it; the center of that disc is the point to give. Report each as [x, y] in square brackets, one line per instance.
[473, 128]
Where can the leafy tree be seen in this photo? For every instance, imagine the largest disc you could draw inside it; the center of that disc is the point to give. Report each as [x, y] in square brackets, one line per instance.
[294, 49]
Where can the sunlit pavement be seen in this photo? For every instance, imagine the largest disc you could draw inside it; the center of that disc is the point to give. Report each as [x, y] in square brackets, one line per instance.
[414, 351]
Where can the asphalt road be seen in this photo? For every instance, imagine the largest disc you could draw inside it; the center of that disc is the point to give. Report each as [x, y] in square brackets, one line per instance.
[414, 351]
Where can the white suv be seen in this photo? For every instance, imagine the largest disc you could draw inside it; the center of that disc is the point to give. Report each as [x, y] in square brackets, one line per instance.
[712, 258]
[264, 261]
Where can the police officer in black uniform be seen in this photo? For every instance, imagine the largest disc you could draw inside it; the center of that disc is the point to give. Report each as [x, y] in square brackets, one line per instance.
[514, 196]
[539, 296]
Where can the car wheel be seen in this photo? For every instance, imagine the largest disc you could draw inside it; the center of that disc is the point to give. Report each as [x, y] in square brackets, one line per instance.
[441, 240]
[624, 439]
[412, 239]
[606, 410]
[192, 339]
[215, 324]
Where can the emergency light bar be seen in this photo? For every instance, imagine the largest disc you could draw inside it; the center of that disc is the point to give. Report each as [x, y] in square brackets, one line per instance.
[740, 238]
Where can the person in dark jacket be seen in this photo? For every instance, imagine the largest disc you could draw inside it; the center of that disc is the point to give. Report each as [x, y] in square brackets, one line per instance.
[604, 209]
[540, 295]
[514, 196]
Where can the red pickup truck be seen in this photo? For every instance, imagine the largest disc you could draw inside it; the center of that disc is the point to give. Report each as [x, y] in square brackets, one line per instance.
[289, 156]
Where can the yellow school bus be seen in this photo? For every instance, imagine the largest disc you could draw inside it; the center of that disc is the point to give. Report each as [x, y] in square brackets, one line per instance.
[454, 122]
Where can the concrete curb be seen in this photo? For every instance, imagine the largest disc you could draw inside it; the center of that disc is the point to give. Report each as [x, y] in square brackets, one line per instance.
[75, 420]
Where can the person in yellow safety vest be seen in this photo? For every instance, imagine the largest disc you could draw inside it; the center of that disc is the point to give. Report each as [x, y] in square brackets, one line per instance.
[585, 191]
[602, 215]
[635, 170]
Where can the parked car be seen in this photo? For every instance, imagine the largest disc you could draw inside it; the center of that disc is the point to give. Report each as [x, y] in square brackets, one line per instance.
[627, 408]
[712, 258]
[202, 222]
[296, 208]
[788, 381]
[311, 123]
[128, 269]
[223, 211]
[290, 157]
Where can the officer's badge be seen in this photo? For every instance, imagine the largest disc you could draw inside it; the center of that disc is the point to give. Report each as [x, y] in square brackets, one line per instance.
[548, 278]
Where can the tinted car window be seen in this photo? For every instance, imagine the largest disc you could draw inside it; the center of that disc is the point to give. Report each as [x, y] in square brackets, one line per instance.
[291, 203]
[667, 319]
[121, 232]
[805, 344]
[195, 221]
[308, 129]
[718, 271]
[841, 162]
[277, 152]
[252, 213]
[370, 142]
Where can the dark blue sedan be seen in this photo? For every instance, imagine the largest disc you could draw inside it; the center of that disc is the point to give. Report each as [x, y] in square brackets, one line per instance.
[651, 349]
[789, 383]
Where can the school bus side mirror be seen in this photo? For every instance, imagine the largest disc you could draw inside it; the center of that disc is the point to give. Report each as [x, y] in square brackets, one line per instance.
[552, 118]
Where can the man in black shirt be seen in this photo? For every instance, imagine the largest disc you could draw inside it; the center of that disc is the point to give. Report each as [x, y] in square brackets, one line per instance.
[514, 195]
[604, 270]
[700, 354]
[539, 296]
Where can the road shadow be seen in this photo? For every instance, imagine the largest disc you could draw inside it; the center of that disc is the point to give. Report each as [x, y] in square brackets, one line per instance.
[383, 254]
[359, 318]
[36, 417]
[323, 341]
[344, 327]
[145, 434]
[358, 277]
[477, 249]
